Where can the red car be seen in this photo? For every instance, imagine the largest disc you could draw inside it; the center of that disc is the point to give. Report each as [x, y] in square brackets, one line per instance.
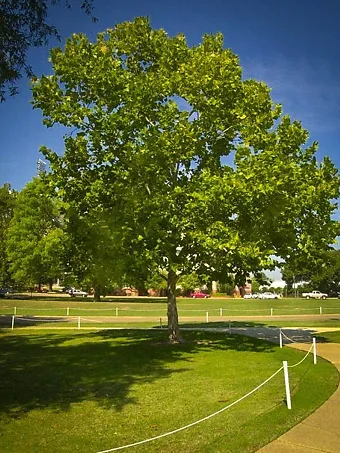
[199, 295]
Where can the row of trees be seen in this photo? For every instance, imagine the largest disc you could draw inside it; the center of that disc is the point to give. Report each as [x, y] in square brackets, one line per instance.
[321, 271]
[44, 240]
[174, 164]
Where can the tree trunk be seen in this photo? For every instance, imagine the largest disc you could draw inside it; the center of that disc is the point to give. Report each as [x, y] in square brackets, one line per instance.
[142, 291]
[97, 293]
[173, 327]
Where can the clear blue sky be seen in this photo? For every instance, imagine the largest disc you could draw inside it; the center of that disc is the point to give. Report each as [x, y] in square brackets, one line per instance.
[292, 45]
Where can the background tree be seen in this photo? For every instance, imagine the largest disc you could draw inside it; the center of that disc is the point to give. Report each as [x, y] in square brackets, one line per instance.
[189, 283]
[35, 237]
[321, 272]
[7, 204]
[154, 121]
[23, 25]
[94, 252]
[258, 281]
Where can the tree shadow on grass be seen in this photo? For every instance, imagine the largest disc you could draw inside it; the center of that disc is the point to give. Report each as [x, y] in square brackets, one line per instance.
[56, 370]
[32, 321]
[256, 329]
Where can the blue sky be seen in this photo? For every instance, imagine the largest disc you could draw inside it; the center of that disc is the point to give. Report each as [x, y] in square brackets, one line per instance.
[293, 46]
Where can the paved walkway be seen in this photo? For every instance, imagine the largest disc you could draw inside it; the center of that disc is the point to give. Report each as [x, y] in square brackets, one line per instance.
[320, 432]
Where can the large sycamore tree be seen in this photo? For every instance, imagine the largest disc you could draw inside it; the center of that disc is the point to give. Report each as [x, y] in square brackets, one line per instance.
[200, 167]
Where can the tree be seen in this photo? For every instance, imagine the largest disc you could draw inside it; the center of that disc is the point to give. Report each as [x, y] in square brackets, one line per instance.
[321, 271]
[23, 25]
[35, 237]
[189, 282]
[93, 255]
[153, 121]
[7, 204]
[259, 280]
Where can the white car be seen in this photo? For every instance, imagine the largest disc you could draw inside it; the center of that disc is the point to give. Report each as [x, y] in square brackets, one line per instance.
[251, 296]
[269, 296]
[77, 292]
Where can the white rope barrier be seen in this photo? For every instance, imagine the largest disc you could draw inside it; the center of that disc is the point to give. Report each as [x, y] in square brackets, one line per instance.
[196, 422]
[289, 339]
[20, 318]
[93, 320]
[292, 366]
[224, 311]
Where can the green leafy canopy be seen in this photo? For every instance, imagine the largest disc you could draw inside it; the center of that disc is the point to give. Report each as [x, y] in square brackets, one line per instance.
[152, 121]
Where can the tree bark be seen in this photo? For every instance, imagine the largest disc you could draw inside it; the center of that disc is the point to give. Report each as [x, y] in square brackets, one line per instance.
[173, 327]
[96, 293]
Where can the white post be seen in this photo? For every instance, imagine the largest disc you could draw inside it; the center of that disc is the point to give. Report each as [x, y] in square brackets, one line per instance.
[314, 349]
[320, 310]
[285, 372]
[271, 312]
[68, 311]
[116, 311]
[15, 310]
[13, 322]
[78, 322]
[280, 339]
[221, 311]
[207, 316]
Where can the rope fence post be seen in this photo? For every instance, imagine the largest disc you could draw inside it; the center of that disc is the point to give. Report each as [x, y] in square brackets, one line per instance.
[285, 372]
[314, 350]
[78, 322]
[13, 317]
[68, 311]
[207, 316]
[280, 338]
[15, 310]
[221, 311]
[320, 310]
[271, 312]
[116, 311]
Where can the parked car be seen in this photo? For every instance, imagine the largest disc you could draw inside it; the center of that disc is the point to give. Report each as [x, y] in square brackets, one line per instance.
[199, 295]
[268, 295]
[67, 289]
[4, 292]
[251, 296]
[315, 295]
[77, 292]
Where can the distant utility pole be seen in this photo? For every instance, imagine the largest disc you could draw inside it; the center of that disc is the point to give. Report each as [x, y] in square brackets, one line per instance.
[41, 167]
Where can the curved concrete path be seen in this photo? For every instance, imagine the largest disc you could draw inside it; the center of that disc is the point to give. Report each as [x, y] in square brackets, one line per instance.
[320, 432]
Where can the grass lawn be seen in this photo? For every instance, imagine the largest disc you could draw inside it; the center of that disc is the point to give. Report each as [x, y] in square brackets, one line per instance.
[329, 337]
[47, 311]
[66, 391]
[45, 305]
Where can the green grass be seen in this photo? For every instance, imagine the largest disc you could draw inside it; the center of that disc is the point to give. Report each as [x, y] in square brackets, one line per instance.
[66, 391]
[142, 313]
[157, 307]
[329, 337]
